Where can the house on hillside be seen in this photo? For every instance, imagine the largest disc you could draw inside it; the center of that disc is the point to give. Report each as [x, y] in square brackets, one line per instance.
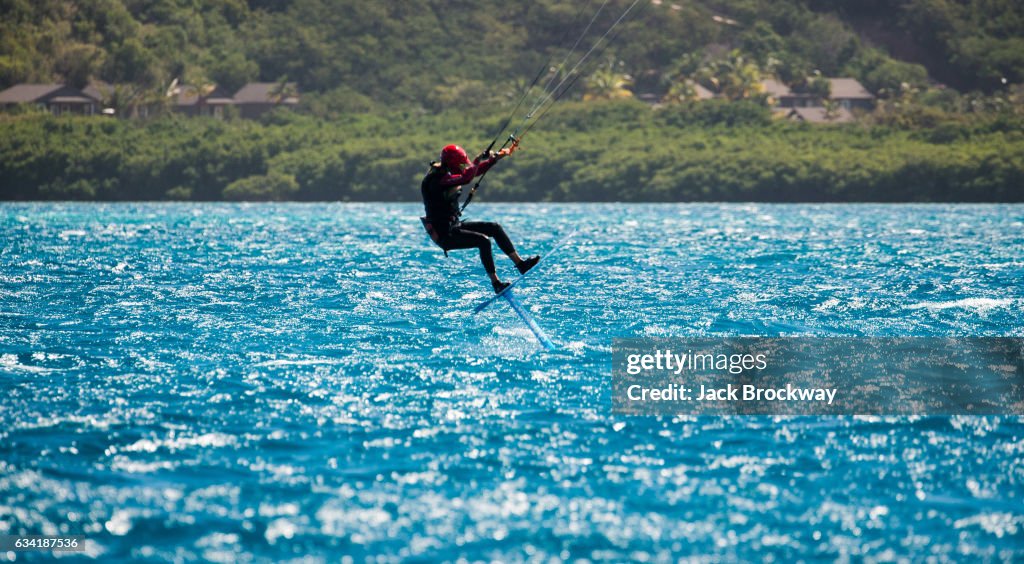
[214, 102]
[257, 98]
[779, 95]
[185, 99]
[851, 94]
[252, 101]
[58, 99]
[99, 90]
[200, 101]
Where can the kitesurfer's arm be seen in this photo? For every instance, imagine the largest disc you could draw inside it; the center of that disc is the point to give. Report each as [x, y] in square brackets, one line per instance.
[485, 161]
[465, 177]
[483, 165]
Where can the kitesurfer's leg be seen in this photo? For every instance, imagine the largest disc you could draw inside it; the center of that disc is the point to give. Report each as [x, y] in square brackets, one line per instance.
[494, 230]
[461, 238]
[504, 243]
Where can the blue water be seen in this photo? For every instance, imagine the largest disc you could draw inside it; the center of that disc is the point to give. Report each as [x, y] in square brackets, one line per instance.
[264, 382]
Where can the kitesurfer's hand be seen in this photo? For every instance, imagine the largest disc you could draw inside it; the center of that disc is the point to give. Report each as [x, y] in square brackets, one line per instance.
[506, 151]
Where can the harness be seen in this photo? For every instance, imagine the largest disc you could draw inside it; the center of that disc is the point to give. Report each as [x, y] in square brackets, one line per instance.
[434, 235]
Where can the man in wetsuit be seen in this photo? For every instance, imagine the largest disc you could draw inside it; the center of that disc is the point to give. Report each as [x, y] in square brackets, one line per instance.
[441, 189]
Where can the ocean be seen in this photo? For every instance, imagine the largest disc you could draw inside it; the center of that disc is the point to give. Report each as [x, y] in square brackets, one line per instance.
[255, 382]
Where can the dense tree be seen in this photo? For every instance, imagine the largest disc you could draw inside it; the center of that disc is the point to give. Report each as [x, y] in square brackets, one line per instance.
[715, 150]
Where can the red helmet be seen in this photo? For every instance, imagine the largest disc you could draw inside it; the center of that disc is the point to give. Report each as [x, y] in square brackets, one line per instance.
[452, 156]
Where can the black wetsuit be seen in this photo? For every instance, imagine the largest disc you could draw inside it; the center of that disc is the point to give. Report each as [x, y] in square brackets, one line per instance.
[440, 190]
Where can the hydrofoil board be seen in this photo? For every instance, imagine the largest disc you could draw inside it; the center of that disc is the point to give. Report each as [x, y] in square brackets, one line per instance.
[554, 250]
[517, 307]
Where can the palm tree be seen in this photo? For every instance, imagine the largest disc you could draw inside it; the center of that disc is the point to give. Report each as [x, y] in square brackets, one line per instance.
[734, 77]
[684, 90]
[608, 84]
[283, 90]
[831, 109]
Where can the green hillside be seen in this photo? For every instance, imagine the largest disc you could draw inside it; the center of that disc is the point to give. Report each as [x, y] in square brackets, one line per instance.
[434, 53]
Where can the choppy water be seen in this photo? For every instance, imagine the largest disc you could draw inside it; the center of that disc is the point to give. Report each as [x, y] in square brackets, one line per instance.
[272, 381]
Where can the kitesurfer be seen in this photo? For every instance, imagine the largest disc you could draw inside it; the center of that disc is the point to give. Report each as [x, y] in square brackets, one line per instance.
[441, 189]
